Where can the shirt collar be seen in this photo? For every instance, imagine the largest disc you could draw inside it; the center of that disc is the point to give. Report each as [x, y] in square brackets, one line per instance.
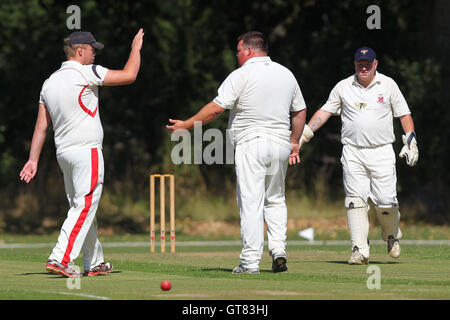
[70, 62]
[257, 59]
[376, 80]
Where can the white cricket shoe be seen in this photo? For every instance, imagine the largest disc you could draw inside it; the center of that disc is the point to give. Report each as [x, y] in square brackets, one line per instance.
[53, 266]
[99, 270]
[242, 270]
[393, 247]
[357, 257]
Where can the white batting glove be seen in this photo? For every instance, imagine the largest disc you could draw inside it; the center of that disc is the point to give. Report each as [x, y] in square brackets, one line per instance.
[410, 150]
[307, 135]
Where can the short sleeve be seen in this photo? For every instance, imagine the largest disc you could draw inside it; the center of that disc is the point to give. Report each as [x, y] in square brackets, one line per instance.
[95, 74]
[398, 102]
[298, 102]
[230, 90]
[41, 94]
[41, 98]
[334, 102]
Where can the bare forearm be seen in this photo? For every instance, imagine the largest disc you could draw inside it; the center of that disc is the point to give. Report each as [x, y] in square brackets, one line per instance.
[407, 123]
[130, 71]
[207, 114]
[40, 131]
[318, 119]
[297, 125]
[133, 64]
[134, 60]
[36, 143]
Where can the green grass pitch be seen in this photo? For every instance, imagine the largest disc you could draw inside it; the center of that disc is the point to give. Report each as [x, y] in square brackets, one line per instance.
[204, 273]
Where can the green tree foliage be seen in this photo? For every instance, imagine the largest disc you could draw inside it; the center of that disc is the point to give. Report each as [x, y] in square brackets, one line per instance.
[189, 49]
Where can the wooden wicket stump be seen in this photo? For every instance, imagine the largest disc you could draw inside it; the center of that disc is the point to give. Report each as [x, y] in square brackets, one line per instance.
[162, 210]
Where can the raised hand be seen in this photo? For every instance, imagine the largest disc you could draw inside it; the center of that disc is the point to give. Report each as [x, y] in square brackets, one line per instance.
[138, 40]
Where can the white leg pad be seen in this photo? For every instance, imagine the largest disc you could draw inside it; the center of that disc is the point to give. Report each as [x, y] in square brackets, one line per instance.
[358, 224]
[389, 219]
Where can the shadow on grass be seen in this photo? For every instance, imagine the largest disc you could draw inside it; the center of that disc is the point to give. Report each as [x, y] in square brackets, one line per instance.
[33, 273]
[371, 262]
[57, 276]
[230, 270]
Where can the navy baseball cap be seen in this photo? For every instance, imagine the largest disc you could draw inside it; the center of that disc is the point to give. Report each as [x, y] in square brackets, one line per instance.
[365, 53]
[81, 37]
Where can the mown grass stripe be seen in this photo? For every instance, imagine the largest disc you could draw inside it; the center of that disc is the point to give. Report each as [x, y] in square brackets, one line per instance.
[226, 243]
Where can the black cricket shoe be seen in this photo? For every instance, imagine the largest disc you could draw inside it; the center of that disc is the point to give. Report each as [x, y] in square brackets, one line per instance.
[279, 264]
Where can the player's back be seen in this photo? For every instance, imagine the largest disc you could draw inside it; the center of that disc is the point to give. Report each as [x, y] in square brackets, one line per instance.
[268, 93]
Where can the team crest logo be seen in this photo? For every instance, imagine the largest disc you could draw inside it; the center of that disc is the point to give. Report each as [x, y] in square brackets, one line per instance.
[360, 105]
[364, 51]
[380, 98]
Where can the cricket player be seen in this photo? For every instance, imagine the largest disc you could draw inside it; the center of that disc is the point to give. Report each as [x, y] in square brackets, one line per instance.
[69, 101]
[367, 103]
[267, 116]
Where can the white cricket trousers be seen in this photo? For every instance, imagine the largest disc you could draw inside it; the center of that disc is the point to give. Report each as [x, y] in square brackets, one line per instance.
[261, 165]
[83, 172]
[370, 173]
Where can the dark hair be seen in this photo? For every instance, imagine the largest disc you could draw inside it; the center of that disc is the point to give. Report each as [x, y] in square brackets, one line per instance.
[256, 40]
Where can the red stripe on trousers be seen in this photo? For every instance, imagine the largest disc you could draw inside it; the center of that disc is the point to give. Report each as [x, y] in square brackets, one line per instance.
[87, 206]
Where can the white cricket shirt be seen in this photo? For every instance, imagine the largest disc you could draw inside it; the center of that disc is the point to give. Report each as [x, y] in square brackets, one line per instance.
[367, 113]
[260, 95]
[71, 97]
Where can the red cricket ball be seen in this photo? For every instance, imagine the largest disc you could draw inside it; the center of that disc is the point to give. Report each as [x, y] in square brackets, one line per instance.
[166, 285]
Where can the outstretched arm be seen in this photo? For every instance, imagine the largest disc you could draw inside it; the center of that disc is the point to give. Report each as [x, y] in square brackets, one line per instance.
[43, 121]
[205, 115]
[318, 119]
[129, 73]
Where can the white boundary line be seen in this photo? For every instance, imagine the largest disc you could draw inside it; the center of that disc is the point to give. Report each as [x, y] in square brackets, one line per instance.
[228, 243]
[81, 295]
[84, 295]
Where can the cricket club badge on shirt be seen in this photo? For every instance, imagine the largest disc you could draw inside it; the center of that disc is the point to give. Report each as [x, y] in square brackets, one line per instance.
[380, 98]
[360, 105]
